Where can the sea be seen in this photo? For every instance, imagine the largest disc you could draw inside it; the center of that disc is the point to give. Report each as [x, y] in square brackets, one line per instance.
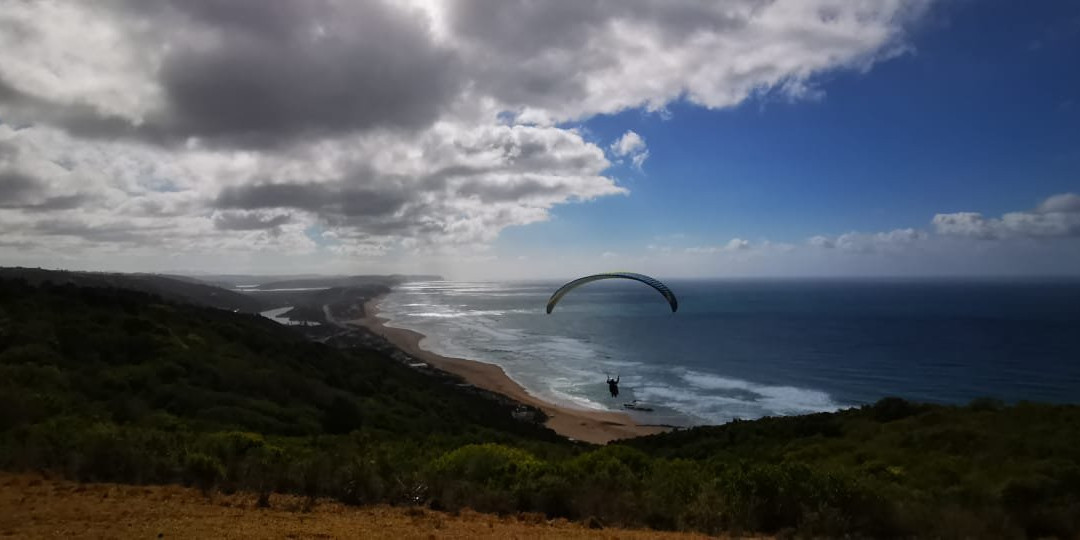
[743, 349]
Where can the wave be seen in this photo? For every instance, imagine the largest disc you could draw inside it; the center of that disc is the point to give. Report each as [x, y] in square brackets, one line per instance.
[464, 322]
[720, 399]
[575, 401]
[465, 313]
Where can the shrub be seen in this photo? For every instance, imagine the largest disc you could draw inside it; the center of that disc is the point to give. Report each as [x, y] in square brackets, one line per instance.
[486, 477]
[204, 470]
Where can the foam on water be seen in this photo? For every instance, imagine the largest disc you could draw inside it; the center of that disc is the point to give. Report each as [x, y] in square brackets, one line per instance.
[753, 348]
[504, 324]
[753, 399]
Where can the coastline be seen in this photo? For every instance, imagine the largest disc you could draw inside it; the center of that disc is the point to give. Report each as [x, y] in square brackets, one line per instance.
[598, 427]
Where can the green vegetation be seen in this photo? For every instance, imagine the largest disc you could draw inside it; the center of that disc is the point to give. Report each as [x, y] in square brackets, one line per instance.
[174, 288]
[105, 384]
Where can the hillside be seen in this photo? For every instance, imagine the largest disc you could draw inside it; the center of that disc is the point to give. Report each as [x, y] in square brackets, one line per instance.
[109, 385]
[176, 289]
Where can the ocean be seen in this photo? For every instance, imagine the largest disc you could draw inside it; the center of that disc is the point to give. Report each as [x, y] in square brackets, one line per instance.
[752, 348]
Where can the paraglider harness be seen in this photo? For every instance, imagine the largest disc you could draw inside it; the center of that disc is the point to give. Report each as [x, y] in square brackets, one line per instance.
[613, 385]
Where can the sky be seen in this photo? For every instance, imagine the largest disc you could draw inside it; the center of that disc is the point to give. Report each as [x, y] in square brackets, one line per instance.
[484, 139]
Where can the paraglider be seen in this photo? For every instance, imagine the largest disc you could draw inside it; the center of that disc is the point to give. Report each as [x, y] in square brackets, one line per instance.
[613, 384]
[652, 282]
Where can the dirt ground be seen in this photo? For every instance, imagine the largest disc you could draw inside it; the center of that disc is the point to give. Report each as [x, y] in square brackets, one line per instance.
[34, 507]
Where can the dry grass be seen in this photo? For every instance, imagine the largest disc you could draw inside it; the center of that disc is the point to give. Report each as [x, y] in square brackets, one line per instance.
[34, 506]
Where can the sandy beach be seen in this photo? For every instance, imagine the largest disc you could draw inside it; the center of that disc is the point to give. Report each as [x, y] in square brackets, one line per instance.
[598, 427]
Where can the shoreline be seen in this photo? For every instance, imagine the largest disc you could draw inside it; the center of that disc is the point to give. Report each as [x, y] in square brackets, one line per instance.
[598, 427]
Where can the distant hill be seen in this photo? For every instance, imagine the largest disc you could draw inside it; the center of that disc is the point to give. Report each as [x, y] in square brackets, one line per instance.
[215, 369]
[230, 281]
[175, 288]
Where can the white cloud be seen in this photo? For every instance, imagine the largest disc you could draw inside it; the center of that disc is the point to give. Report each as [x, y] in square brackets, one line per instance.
[579, 59]
[735, 244]
[820, 241]
[1068, 203]
[633, 146]
[629, 143]
[1057, 216]
[894, 240]
[964, 224]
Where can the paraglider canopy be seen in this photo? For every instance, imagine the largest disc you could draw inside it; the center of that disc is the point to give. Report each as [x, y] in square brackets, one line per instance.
[660, 287]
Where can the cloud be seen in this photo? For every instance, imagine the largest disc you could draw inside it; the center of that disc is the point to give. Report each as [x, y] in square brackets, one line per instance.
[28, 193]
[1043, 241]
[735, 244]
[305, 69]
[248, 221]
[964, 224]
[16, 188]
[326, 199]
[241, 72]
[820, 241]
[629, 143]
[210, 127]
[235, 72]
[1057, 216]
[633, 146]
[566, 62]
[1068, 203]
[894, 241]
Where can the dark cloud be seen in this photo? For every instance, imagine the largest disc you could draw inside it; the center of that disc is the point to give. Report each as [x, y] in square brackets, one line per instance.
[124, 232]
[21, 191]
[269, 19]
[59, 202]
[255, 74]
[78, 119]
[328, 200]
[529, 27]
[16, 188]
[157, 206]
[247, 221]
[309, 68]
[8, 150]
[302, 196]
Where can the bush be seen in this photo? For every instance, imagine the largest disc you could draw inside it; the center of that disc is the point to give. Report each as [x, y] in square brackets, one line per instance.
[204, 470]
[893, 408]
[486, 477]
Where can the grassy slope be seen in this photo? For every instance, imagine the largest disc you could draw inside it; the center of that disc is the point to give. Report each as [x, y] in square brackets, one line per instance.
[32, 507]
